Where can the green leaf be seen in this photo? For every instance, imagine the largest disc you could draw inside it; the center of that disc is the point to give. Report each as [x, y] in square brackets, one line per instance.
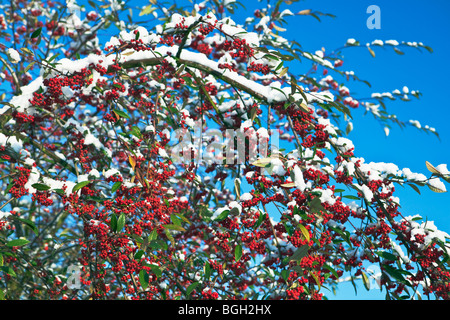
[59, 191]
[398, 51]
[223, 215]
[238, 252]
[316, 279]
[116, 186]
[137, 238]
[262, 162]
[153, 235]
[27, 51]
[40, 186]
[135, 131]
[352, 280]
[120, 222]
[143, 279]
[53, 57]
[283, 72]
[147, 10]
[96, 199]
[326, 266]
[428, 48]
[305, 232]
[9, 271]
[365, 280]
[169, 236]
[395, 273]
[138, 255]
[349, 128]
[316, 205]
[29, 223]
[156, 270]
[179, 215]
[113, 222]
[158, 244]
[300, 253]
[285, 274]
[36, 33]
[297, 269]
[174, 227]
[414, 187]
[9, 186]
[386, 255]
[121, 114]
[80, 185]
[434, 189]
[207, 271]
[260, 220]
[191, 288]
[351, 197]
[17, 243]
[175, 219]
[29, 66]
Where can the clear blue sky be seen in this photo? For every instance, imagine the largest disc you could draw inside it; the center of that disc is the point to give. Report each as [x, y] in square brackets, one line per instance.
[412, 20]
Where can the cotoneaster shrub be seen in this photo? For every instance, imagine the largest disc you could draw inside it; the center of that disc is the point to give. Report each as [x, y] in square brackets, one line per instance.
[155, 161]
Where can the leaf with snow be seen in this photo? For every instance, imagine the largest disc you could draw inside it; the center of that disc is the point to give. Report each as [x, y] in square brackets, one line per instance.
[13, 55]
[436, 185]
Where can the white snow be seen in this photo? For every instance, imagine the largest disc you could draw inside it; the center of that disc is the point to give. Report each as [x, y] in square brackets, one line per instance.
[412, 176]
[415, 123]
[263, 133]
[218, 212]
[163, 153]
[4, 215]
[343, 144]
[428, 229]
[235, 204]
[246, 196]
[392, 42]
[21, 102]
[83, 177]
[95, 173]
[366, 192]
[298, 179]
[327, 196]
[14, 143]
[277, 167]
[13, 55]
[330, 128]
[111, 172]
[442, 168]
[377, 42]
[435, 182]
